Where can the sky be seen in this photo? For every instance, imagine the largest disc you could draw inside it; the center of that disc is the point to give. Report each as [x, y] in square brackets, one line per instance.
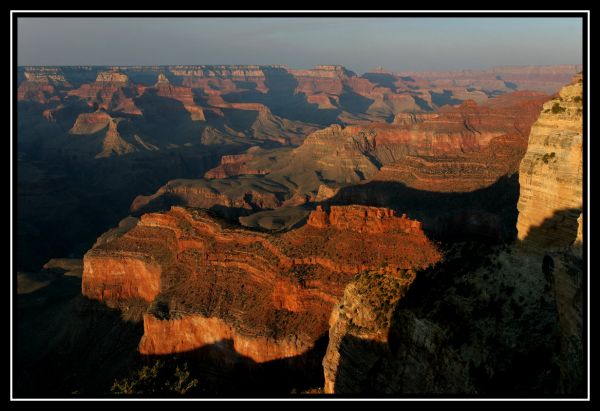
[360, 44]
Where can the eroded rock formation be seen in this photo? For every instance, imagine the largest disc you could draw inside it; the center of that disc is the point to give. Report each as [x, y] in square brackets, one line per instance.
[164, 88]
[270, 294]
[97, 134]
[551, 173]
[112, 91]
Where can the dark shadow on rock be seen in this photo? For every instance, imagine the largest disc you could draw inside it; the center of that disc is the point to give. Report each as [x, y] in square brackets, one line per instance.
[558, 231]
[423, 105]
[445, 98]
[283, 101]
[240, 119]
[66, 344]
[249, 85]
[487, 214]
[353, 102]
[563, 268]
[148, 78]
[166, 120]
[382, 80]
[75, 199]
[223, 372]
[440, 341]
[231, 213]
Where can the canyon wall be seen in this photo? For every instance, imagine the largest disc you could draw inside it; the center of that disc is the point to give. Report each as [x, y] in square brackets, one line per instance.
[551, 173]
[466, 325]
[551, 220]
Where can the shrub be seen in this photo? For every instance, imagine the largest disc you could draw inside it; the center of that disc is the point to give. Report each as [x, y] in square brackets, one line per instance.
[157, 379]
[577, 99]
[556, 108]
[547, 157]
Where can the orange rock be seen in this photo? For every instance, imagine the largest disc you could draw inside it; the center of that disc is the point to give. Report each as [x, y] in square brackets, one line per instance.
[271, 294]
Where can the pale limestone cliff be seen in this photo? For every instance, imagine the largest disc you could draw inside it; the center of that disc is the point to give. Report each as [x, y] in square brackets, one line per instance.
[551, 174]
[551, 219]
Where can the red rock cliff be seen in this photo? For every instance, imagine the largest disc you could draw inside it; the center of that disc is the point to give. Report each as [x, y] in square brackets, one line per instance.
[271, 295]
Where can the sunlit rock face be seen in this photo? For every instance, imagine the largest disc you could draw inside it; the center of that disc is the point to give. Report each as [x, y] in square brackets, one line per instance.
[551, 173]
[270, 294]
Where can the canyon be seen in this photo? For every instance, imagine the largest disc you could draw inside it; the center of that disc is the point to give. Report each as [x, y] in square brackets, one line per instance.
[285, 230]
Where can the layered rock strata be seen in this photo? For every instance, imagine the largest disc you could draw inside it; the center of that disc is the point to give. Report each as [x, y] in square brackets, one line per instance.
[270, 295]
[524, 301]
[551, 220]
[551, 173]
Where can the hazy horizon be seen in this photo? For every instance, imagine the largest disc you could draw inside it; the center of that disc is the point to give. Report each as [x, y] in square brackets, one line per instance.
[359, 44]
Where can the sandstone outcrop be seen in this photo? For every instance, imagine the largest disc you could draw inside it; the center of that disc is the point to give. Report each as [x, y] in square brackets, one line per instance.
[90, 123]
[233, 165]
[551, 173]
[270, 294]
[461, 149]
[102, 132]
[550, 223]
[41, 85]
[112, 91]
[364, 220]
[112, 77]
[39, 92]
[409, 119]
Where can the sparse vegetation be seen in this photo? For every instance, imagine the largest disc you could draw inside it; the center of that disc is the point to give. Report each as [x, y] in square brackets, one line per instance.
[548, 156]
[557, 108]
[160, 379]
[382, 291]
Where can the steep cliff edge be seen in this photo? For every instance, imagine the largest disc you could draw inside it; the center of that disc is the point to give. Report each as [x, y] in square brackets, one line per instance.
[472, 322]
[551, 221]
[363, 315]
[270, 295]
[164, 88]
[551, 173]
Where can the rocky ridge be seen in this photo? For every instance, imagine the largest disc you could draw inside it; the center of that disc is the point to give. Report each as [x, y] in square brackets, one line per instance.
[270, 294]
